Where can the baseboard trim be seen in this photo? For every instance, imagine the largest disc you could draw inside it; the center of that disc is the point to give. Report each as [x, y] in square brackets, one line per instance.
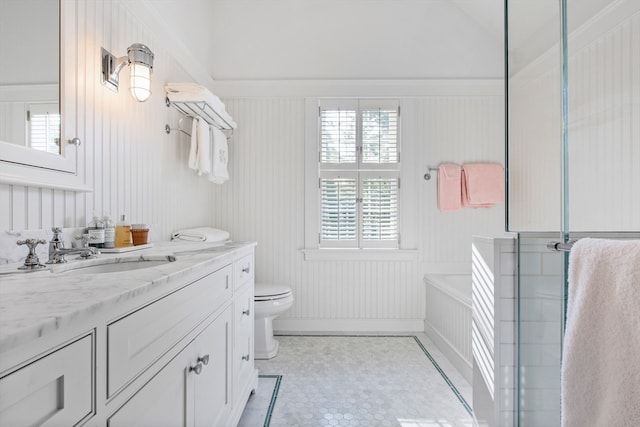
[462, 365]
[348, 325]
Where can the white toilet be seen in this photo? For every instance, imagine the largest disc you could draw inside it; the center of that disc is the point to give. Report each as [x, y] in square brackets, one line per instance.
[270, 301]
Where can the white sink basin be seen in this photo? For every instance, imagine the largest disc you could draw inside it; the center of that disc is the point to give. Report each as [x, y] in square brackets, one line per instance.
[114, 265]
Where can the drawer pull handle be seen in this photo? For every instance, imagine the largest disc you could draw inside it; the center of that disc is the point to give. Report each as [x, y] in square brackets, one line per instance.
[247, 269]
[246, 312]
[245, 357]
[204, 359]
[197, 369]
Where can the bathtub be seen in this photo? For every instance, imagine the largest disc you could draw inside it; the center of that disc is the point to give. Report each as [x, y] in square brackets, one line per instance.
[448, 317]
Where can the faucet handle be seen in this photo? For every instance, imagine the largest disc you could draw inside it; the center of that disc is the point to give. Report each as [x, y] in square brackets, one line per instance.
[86, 238]
[31, 243]
[31, 262]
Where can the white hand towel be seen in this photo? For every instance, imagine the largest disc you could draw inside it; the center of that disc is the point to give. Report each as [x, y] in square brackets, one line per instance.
[220, 157]
[193, 149]
[201, 234]
[204, 148]
[601, 353]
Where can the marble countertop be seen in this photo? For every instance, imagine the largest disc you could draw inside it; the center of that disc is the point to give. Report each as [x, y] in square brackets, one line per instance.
[37, 303]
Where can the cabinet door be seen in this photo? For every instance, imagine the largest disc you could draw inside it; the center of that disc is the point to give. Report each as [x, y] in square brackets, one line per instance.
[243, 365]
[56, 390]
[162, 401]
[212, 398]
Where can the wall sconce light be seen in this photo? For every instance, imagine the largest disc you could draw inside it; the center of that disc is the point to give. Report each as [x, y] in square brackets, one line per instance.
[140, 58]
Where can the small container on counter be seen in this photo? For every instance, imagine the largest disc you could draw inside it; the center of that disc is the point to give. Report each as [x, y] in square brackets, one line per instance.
[123, 233]
[140, 234]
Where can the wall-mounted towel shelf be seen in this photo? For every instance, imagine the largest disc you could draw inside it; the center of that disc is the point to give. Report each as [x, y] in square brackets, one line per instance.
[168, 128]
[427, 176]
[200, 109]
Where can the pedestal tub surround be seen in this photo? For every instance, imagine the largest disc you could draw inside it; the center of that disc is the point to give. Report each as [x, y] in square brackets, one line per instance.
[115, 343]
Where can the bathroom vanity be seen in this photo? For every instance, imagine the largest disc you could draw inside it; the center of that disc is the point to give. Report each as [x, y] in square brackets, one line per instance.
[166, 345]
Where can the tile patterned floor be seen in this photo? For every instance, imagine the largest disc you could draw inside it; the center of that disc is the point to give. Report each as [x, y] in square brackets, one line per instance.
[366, 381]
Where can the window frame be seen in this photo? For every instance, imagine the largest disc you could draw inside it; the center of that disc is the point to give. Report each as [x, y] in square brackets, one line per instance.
[359, 171]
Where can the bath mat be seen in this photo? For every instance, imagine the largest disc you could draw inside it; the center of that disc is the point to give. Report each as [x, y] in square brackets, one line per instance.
[260, 405]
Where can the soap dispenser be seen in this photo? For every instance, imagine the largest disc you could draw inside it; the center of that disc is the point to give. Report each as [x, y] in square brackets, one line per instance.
[123, 233]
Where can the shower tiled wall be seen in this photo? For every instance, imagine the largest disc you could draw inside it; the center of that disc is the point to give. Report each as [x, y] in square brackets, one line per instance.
[494, 330]
[540, 313]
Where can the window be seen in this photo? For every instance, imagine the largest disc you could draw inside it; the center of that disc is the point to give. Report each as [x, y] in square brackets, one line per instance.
[44, 127]
[359, 174]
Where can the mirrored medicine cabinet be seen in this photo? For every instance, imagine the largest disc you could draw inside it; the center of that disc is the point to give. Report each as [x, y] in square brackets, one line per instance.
[38, 142]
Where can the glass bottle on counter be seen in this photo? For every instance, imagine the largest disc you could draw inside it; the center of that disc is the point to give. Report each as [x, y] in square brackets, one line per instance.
[123, 233]
[95, 228]
[109, 232]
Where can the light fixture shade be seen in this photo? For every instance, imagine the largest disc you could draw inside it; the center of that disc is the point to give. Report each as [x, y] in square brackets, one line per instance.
[140, 58]
[141, 61]
[140, 85]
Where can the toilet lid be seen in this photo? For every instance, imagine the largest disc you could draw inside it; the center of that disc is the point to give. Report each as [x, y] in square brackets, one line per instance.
[270, 290]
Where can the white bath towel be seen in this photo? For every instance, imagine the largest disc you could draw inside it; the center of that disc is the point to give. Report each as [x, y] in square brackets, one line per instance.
[601, 355]
[201, 234]
[199, 152]
[219, 157]
[195, 93]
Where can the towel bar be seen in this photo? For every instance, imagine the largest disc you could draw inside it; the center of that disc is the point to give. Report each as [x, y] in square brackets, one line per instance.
[560, 246]
[168, 128]
[427, 176]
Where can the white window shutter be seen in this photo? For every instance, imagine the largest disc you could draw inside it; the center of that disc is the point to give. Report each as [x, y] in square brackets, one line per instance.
[339, 211]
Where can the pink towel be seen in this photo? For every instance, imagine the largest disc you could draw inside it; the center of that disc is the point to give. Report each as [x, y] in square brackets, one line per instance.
[482, 185]
[449, 198]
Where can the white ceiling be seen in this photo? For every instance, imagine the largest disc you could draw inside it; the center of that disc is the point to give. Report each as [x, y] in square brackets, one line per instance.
[364, 39]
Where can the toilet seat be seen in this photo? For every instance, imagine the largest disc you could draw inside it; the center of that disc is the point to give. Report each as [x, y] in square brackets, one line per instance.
[270, 292]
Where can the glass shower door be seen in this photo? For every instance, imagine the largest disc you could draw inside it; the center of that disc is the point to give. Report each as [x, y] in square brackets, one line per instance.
[573, 91]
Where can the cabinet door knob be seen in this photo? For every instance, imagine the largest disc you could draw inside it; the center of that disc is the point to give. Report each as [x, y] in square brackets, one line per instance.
[247, 269]
[246, 312]
[197, 369]
[245, 357]
[74, 141]
[204, 359]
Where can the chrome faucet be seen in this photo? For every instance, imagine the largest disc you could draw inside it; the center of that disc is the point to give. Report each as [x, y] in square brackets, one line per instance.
[57, 251]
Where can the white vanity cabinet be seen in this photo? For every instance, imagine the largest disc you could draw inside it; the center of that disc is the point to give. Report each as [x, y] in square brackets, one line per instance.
[53, 390]
[191, 390]
[179, 353]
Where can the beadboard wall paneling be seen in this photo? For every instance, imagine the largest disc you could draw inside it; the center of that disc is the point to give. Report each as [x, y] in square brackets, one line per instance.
[264, 201]
[133, 166]
[460, 130]
[603, 129]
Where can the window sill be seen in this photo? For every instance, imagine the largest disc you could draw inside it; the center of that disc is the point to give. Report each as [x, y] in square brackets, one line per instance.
[360, 254]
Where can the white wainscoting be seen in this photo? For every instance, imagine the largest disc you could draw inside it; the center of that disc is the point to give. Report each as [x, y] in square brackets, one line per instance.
[133, 166]
[265, 201]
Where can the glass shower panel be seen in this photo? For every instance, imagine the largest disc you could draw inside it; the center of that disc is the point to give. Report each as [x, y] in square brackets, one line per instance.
[573, 104]
[534, 116]
[603, 126]
[540, 316]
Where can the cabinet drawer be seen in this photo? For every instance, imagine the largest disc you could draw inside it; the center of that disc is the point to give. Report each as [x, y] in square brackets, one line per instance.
[134, 342]
[242, 271]
[55, 390]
